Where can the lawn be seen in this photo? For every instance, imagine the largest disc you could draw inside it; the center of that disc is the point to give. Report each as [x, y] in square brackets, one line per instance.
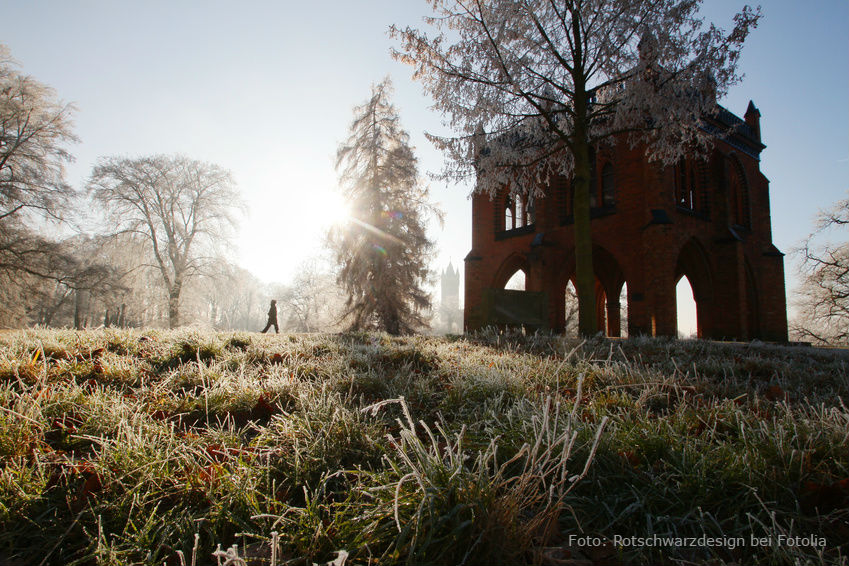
[152, 447]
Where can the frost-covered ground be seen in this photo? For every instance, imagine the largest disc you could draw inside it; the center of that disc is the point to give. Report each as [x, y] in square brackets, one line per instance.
[119, 447]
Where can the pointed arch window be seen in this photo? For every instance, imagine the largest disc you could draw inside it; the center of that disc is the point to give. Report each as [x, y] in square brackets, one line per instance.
[686, 187]
[509, 214]
[519, 212]
[690, 187]
[738, 192]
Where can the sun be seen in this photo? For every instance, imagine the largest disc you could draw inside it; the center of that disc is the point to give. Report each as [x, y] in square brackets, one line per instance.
[288, 227]
[318, 209]
[335, 209]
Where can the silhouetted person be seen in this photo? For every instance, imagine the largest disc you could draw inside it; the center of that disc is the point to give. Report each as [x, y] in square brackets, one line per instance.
[272, 318]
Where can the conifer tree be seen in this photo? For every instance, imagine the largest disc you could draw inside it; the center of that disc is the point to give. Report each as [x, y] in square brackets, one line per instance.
[383, 252]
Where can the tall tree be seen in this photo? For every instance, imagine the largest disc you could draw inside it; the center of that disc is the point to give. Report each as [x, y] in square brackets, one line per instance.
[181, 208]
[383, 253]
[533, 86]
[823, 298]
[35, 129]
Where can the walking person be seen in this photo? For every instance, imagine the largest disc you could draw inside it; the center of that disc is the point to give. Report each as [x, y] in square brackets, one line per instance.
[272, 318]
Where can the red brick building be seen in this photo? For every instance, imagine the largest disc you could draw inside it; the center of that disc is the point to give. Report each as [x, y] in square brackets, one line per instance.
[706, 219]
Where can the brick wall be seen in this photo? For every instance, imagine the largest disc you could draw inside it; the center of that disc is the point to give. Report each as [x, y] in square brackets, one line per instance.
[650, 242]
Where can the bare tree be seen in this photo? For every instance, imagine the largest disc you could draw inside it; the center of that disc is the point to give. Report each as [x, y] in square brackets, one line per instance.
[823, 298]
[31, 267]
[533, 86]
[313, 301]
[140, 298]
[27, 265]
[383, 252]
[35, 128]
[229, 297]
[182, 208]
[82, 275]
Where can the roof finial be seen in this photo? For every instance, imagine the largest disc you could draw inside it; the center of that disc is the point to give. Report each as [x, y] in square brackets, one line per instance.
[753, 119]
[647, 47]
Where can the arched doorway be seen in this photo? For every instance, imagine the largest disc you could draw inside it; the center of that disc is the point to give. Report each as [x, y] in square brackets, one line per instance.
[513, 273]
[610, 294]
[693, 271]
[623, 311]
[686, 310]
[570, 310]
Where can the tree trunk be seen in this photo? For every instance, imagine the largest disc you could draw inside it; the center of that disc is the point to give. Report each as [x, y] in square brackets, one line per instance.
[78, 324]
[174, 307]
[584, 275]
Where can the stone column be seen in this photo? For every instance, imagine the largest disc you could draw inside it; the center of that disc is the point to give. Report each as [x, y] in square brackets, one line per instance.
[614, 317]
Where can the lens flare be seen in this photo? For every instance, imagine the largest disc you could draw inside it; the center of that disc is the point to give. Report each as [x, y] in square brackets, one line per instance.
[334, 209]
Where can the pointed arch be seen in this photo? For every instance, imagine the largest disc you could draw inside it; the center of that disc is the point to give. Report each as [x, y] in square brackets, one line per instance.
[610, 280]
[694, 264]
[689, 186]
[508, 212]
[739, 205]
[514, 210]
[685, 309]
[513, 263]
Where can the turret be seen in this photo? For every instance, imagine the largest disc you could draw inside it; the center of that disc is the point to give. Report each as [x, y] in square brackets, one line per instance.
[753, 119]
[648, 49]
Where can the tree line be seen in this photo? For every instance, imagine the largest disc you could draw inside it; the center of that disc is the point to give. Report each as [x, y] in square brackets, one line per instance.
[153, 254]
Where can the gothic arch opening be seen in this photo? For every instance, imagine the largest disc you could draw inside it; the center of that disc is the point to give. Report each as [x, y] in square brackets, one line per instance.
[513, 271]
[623, 311]
[686, 309]
[693, 265]
[610, 293]
[570, 310]
[609, 283]
[601, 308]
[517, 281]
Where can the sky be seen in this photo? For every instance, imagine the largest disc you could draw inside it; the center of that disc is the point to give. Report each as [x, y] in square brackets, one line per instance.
[266, 89]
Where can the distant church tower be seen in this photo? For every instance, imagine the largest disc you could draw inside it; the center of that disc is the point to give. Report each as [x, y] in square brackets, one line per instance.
[450, 315]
